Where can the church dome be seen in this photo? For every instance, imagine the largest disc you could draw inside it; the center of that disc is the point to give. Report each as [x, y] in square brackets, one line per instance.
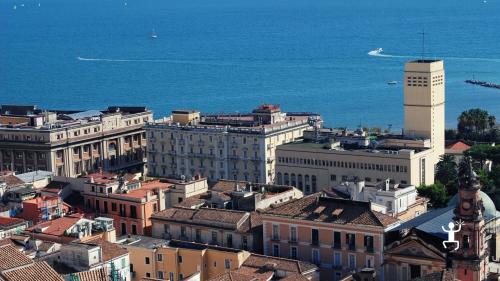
[489, 207]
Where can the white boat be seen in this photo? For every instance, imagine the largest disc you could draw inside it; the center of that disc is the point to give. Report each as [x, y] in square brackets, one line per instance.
[15, 7]
[378, 50]
[153, 34]
[393, 82]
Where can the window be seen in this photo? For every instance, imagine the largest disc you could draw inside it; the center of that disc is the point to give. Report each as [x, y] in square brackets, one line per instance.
[166, 228]
[369, 261]
[276, 250]
[369, 243]
[351, 241]
[179, 259]
[276, 233]
[134, 229]
[146, 260]
[171, 276]
[336, 240]
[315, 256]
[183, 231]
[227, 263]
[229, 240]
[214, 237]
[133, 212]
[352, 261]
[198, 235]
[293, 253]
[159, 257]
[293, 234]
[244, 242]
[159, 274]
[465, 242]
[314, 237]
[333, 177]
[337, 259]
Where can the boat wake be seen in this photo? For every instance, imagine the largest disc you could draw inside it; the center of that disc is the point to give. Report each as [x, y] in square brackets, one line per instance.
[379, 53]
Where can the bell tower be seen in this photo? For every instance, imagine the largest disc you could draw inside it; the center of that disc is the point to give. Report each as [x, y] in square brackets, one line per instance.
[470, 261]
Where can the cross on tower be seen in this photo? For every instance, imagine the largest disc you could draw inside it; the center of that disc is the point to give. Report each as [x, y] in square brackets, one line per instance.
[423, 43]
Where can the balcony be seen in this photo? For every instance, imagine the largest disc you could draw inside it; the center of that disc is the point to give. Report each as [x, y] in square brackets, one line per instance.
[275, 238]
[369, 249]
[315, 243]
[337, 246]
[351, 247]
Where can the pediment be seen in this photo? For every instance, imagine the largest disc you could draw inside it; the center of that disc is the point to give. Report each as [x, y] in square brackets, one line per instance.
[414, 248]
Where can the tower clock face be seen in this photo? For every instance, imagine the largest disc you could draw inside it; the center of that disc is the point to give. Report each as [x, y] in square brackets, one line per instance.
[465, 205]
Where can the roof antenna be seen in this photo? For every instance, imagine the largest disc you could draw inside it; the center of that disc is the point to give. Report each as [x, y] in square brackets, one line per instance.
[423, 43]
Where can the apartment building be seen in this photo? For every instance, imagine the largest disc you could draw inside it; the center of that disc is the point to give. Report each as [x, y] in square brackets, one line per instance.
[225, 228]
[43, 208]
[397, 200]
[223, 146]
[131, 202]
[338, 235]
[69, 143]
[324, 158]
[11, 226]
[176, 260]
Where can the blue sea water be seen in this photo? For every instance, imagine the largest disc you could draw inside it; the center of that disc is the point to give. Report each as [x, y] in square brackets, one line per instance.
[231, 55]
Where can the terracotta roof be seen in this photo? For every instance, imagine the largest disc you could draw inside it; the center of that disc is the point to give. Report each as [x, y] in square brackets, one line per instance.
[288, 265]
[58, 226]
[6, 223]
[353, 212]
[55, 186]
[233, 276]
[191, 202]
[10, 257]
[39, 201]
[227, 185]
[458, 146]
[39, 271]
[110, 251]
[94, 275]
[11, 180]
[222, 218]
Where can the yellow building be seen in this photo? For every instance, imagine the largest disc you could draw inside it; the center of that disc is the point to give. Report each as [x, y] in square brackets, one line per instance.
[174, 260]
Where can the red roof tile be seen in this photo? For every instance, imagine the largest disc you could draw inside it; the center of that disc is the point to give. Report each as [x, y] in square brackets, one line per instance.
[10, 257]
[39, 271]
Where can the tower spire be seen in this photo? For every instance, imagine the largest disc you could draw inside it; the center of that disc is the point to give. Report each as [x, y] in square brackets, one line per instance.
[423, 43]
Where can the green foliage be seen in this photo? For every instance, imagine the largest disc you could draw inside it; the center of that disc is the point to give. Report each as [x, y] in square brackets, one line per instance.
[477, 125]
[446, 173]
[436, 193]
[483, 152]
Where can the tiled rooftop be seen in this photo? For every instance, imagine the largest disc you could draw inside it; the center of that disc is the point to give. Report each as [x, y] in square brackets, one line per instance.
[6, 223]
[110, 250]
[10, 257]
[288, 265]
[39, 271]
[316, 208]
[206, 216]
[93, 275]
[58, 226]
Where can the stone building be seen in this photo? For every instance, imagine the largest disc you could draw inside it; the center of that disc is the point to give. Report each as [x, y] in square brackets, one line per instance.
[226, 146]
[69, 143]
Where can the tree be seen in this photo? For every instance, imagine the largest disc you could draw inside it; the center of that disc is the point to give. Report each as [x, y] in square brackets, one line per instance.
[447, 174]
[436, 193]
[475, 124]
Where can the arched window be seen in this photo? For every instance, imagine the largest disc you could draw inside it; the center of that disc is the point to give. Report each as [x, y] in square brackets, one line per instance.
[301, 186]
[280, 179]
[293, 180]
[465, 242]
[307, 184]
[314, 186]
[287, 179]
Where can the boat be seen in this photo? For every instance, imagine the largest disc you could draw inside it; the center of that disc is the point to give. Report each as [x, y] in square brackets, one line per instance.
[153, 34]
[393, 82]
[15, 7]
[376, 52]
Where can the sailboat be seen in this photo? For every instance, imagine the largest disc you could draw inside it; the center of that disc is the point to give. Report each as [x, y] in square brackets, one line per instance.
[153, 34]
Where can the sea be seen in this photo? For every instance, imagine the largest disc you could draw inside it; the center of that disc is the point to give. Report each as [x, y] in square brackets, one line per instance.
[232, 55]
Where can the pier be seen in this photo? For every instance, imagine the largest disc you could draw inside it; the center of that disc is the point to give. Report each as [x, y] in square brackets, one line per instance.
[483, 84]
